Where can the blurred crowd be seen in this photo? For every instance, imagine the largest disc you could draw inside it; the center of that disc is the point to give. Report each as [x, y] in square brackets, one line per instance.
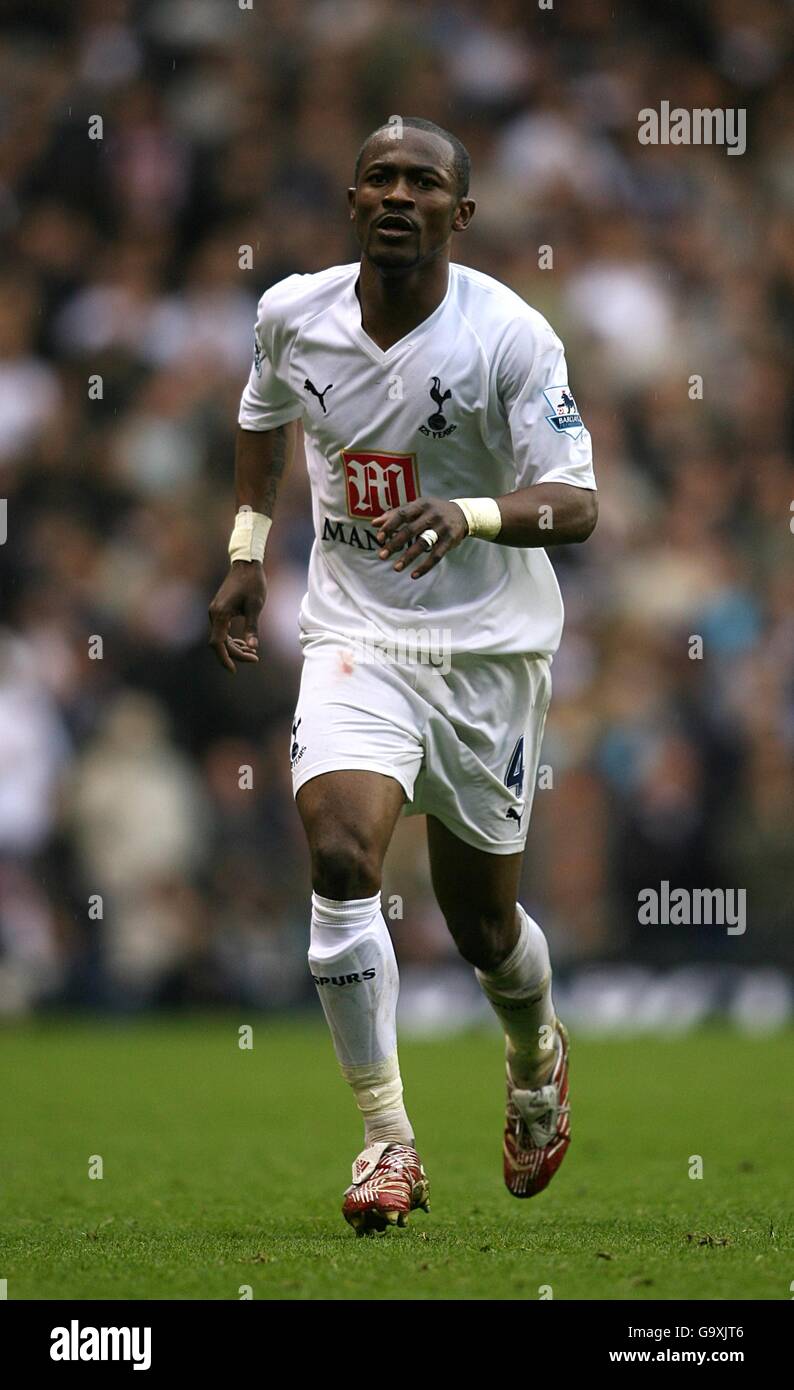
[134, 868]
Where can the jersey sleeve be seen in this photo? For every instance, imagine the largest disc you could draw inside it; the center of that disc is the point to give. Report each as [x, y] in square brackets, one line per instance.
[550, 442]
[268, 400]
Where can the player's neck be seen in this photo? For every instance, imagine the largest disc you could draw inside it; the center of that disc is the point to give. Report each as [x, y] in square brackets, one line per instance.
[393, 305]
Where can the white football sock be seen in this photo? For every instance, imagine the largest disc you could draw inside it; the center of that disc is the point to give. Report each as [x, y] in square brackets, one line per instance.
[355, 970]
[519, 991]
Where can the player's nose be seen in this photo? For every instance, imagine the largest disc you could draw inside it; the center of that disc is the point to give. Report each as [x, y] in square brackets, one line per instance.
[399, 193]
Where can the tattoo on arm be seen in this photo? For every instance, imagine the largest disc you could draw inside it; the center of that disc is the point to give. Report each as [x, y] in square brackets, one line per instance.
[260, 461]
[278, 463]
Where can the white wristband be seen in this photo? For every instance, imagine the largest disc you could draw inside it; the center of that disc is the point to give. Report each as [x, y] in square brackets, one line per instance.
[482, 514]
[249, 537]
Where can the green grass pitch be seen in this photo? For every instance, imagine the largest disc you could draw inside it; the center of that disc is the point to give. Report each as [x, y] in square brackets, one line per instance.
[225, 1167]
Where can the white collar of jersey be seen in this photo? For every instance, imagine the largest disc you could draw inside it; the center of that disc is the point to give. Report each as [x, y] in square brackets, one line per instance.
[353, 309]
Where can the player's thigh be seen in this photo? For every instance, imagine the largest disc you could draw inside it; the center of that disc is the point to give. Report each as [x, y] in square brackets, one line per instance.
[484, 738]
[352, 808]
[472, 887]
[355, 754]
[355, 713]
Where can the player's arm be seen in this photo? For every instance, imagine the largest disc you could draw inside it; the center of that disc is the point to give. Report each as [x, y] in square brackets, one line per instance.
[262, 457]
[266, 436]
[541, 515]
[547, 514]
[555, 500]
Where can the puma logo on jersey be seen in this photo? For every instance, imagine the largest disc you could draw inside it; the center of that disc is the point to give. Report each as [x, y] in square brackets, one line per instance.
[516, 815]
[309, 386]
[437, 426]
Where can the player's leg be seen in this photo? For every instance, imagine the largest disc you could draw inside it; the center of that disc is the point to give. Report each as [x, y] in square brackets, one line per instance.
[477, 893]
[483, 734]
[355, 752]
[349, 817]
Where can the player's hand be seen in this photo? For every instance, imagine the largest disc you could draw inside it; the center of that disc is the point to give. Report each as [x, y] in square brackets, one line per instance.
[403, 525]
[241, 595]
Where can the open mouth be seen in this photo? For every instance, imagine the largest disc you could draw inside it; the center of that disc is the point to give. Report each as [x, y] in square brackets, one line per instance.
[393, 224]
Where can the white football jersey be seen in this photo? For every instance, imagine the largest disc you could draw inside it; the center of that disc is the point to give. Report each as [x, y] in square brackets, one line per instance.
[473, 402]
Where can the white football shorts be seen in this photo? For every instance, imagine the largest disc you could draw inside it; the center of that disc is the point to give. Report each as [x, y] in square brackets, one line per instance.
[462, 737]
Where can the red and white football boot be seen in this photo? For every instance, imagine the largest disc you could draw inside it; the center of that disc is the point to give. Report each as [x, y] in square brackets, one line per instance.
[537, 1128]
[388, 1183]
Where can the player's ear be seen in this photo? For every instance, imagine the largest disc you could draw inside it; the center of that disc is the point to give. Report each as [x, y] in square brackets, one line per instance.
[463, 215]
[351, 202]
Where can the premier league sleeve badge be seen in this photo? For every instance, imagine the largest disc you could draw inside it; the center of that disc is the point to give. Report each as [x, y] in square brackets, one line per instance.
[565, 417]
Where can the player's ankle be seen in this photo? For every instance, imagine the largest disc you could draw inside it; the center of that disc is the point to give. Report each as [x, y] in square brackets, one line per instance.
[388, 1130]
[530, 1070]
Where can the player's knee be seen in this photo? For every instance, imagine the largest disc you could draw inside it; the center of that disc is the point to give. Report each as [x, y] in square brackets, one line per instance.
[343, 866]
[483, 938]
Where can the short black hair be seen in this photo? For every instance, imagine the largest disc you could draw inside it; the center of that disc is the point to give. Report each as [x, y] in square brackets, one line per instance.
[461, 161]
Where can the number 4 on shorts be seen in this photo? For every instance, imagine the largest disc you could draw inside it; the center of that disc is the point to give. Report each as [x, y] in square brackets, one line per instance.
[515, 768]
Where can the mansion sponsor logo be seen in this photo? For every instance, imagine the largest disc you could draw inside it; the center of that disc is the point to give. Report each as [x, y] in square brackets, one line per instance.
[687, 907]
[344, 534]
[701, 126]
[376, 481]
[76, 1343]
